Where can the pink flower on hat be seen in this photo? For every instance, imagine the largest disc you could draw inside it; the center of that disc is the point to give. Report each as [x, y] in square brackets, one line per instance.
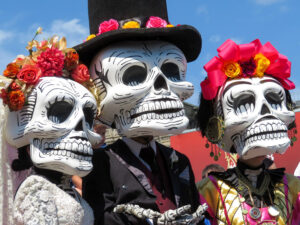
[156, 22]
[108, 26]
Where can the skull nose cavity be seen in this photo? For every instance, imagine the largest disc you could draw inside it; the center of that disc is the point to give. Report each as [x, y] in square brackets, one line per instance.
[264, 110]
[79, 126]
[160, 83]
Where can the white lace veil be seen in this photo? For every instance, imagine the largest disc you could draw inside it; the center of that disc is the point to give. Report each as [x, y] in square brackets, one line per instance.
[6, 174]
[9, 180]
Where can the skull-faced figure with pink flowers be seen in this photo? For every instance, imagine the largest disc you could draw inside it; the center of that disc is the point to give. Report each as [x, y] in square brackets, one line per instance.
[139, 62]
[50, 121]
[246, 108]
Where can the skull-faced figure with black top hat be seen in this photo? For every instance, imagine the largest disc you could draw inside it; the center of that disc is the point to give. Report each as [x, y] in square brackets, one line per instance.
[138, 60]
[246, 109]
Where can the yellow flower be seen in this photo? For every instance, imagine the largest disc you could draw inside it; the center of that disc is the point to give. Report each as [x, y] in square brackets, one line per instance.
[91, 36]
[170, 25]
[262, 64]
[131, 24]
[231, 69]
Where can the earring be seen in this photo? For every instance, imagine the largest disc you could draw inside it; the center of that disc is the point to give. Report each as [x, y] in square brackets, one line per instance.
[215, 129]
[292, 135]
[215, 152]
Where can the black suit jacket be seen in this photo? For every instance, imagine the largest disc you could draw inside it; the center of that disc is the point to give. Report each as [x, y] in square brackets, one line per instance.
[117, 179]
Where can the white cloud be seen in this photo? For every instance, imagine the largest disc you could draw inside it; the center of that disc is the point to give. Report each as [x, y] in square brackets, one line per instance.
[5, 56]
[284, 9]
[202, 9]
[4, 35]
[74, 32]
[214, 38]
[267, 2]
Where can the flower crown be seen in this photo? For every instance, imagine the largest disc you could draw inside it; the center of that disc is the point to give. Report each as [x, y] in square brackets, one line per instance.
[245, 61]
[112, 24]
[46, 58]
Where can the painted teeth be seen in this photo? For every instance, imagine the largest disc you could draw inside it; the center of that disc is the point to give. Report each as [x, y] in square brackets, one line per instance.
[244, 110]
[126, 117]
[266, 131]
[272, 136]
[68, 148]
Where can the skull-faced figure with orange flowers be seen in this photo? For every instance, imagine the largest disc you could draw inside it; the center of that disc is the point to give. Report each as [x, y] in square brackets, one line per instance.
[139, 61]
[246, 109]
[50, 122]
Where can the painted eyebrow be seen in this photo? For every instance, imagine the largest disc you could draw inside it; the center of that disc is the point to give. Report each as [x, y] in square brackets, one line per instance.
[177, 55]
[230, 85]
[131, 57]
[270, 80]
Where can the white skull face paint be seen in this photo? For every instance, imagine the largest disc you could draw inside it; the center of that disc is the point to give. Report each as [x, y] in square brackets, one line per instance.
[143, 87]
[256, 117]
[57, 124]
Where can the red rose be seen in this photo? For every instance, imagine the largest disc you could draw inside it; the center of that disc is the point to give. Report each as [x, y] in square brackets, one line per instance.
[108, 26]
[156, 22]
[81, 73]
[14, 86]
[16, 100]
[11, 70]
[4, 96]
[29, 74]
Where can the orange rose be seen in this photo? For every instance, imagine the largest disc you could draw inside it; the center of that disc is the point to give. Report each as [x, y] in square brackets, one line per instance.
[231, 69]
[16, 100]
[30, 74]
[71, 59]
[81, 73]
[11, 70]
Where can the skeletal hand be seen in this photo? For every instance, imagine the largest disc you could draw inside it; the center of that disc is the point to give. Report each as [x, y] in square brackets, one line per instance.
[178, 216]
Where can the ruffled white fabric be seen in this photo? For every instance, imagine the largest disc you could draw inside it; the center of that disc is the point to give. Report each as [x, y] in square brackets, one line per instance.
[6, 174]
[40, 202]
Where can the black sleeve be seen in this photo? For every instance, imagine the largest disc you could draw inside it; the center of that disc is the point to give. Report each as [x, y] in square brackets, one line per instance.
[194, 194]
[99, 192]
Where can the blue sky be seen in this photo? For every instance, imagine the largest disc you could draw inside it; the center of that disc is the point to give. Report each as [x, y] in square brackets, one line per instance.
[277, 21]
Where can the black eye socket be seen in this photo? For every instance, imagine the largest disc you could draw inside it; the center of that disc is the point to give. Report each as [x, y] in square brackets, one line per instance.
[134, 75]
[58, 112]
[243, 100]
[89, 115]
[171, 71]
[274, 98]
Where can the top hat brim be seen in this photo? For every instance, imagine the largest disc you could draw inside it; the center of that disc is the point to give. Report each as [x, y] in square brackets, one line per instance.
[185, 37]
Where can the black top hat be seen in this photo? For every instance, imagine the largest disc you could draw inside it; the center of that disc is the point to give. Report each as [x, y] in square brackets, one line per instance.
[185, 37]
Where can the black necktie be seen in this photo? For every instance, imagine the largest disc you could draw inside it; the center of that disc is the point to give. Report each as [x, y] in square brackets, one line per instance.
[148, 155]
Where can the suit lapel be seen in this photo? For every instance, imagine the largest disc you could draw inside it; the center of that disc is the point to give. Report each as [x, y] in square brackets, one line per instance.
[121, 151]
[172, 171]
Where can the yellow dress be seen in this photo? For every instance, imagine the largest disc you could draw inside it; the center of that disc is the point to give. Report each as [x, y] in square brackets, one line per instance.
[229, 208]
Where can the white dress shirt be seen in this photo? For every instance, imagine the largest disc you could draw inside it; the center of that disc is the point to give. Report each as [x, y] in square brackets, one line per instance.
[135, 148]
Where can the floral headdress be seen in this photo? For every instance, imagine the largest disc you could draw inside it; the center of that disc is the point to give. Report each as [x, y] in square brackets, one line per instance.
[244, 61]
[46, 58]
[112, 24]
